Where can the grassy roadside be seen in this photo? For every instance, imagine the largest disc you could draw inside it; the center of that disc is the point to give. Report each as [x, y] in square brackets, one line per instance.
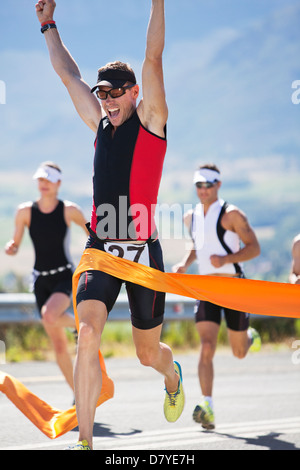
[30, 342]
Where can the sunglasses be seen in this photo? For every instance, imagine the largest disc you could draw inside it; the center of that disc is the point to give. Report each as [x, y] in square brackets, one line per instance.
[113, 93]
[206, 185]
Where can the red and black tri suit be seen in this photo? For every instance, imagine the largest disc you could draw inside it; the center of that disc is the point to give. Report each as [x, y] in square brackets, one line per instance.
[127, 173]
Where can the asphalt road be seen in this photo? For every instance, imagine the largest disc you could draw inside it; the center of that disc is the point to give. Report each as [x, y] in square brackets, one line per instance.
[257, 406]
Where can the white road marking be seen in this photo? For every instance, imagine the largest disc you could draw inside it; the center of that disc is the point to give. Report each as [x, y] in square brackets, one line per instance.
[179, 437]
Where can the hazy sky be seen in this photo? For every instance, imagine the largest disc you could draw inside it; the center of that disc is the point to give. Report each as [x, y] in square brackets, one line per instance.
[229, 68]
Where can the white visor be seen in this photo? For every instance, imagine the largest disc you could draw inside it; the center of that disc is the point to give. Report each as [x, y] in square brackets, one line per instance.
[204, 175]
[48, 173]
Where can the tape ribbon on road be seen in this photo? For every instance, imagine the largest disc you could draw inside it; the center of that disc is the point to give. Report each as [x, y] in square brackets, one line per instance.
[251, 296]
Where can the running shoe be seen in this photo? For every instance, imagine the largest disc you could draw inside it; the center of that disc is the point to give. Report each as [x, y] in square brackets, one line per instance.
[256, 340]
[204, 415]
[174, 402]
[81, 445]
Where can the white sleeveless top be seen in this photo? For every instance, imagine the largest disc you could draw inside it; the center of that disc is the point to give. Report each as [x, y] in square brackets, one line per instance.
[210, 238]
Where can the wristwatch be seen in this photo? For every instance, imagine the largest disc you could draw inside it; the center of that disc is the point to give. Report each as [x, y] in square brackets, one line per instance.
[47, 26]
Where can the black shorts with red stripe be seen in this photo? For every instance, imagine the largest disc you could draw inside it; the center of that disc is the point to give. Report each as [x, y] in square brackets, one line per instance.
[146, 306]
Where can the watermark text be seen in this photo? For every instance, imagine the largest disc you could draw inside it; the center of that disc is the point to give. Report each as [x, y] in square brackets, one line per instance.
[296, 94]
[139, 222]
[2, 92]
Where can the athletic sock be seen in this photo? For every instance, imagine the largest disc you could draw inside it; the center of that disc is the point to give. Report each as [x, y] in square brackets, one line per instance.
[209, 400]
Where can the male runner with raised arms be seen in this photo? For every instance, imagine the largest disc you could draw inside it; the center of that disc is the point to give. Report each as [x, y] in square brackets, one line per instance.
[48, 220]
[130, 148]
[217, 228]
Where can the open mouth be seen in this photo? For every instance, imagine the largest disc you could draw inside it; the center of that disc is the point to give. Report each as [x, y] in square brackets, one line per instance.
[113, 113]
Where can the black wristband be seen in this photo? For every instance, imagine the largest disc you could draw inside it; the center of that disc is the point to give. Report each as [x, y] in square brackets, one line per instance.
[47, 26]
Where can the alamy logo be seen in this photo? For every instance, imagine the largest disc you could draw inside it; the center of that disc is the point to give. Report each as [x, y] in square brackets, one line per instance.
[139, 222]
[296, 95]
[296, 354]
[2, 92]
[2, 352]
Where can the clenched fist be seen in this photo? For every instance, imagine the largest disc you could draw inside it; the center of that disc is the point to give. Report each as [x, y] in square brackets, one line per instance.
[45, 10]
[11, 248]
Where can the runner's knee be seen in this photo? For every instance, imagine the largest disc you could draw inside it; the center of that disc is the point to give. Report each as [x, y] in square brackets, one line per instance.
[88, 337]
[49, 315]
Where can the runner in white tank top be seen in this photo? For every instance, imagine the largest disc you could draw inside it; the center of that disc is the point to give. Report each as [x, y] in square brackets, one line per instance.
[218, 231]
[211, 239]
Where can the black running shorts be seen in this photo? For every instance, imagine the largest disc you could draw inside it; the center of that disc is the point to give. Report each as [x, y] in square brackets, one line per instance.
[146, 306]
[235, 320]
[45, 286]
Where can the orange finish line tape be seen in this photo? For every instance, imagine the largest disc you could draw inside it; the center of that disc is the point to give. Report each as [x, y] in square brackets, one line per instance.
[256, 297]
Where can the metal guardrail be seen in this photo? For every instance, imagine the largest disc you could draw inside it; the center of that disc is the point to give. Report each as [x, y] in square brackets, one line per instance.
[21, 308]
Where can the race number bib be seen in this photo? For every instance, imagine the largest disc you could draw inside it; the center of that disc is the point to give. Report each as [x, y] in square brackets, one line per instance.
[137, 253]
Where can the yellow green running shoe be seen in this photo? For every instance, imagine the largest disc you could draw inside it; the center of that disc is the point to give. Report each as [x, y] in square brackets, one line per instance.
[81, 445]
[256, 340]
[204, 415]
[174, 402]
